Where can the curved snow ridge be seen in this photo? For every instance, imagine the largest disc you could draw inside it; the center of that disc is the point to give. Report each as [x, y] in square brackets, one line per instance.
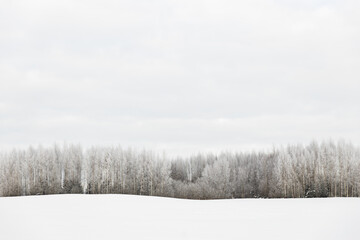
[142, 217]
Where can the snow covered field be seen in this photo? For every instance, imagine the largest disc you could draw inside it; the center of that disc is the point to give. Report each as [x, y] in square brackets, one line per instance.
[138, 217]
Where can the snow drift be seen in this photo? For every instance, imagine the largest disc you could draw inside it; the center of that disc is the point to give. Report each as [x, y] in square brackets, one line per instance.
[140, 217]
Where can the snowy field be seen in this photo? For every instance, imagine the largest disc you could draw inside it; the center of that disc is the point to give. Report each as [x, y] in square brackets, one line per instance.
[138, 217]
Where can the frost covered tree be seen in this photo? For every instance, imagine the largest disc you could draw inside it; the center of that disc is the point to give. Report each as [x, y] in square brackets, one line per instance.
[216, 179]
[327, 169]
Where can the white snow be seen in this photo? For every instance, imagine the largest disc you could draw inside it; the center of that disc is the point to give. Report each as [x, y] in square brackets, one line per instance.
[139, 217]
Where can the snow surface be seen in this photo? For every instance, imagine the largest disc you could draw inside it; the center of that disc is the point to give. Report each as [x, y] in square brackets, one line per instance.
[139, 217]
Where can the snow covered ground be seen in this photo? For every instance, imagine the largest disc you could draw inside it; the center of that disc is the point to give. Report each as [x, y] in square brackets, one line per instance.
[138, 217]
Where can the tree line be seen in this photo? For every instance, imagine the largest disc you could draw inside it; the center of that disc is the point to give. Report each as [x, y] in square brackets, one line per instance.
[325, 169]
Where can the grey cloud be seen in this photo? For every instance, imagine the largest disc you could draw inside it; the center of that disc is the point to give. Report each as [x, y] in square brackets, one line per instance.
[167, 73]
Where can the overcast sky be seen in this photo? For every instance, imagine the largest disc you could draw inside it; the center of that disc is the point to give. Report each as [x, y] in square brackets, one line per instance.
[180, 76]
